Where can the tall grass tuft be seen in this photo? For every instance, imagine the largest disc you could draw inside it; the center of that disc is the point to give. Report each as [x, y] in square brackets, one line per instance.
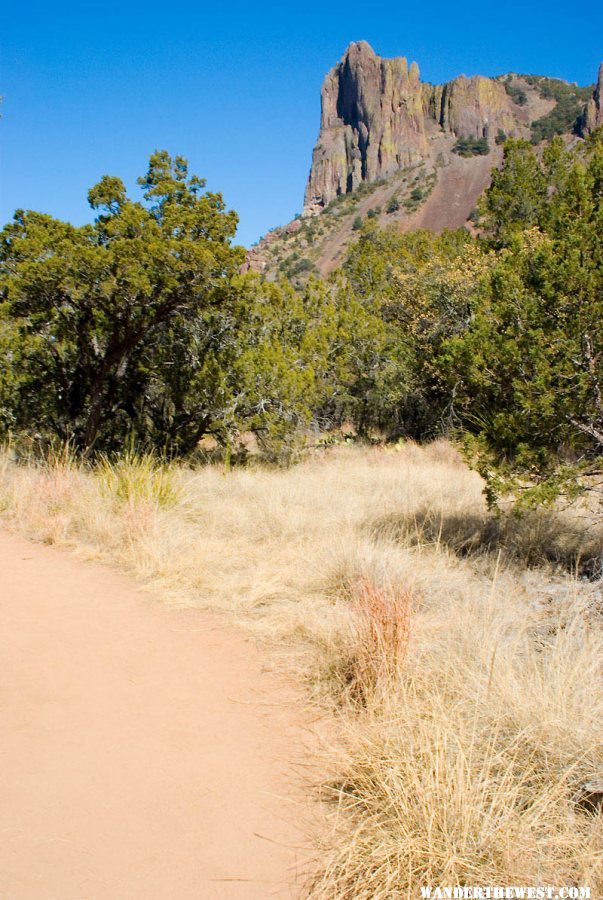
[140, 478]
[381, 636]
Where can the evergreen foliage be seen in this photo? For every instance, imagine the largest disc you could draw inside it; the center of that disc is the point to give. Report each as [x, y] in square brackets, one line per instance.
[139, 329]
[517, 94]
[471, 146]
[419, 285]
[527, 373]
[569, 103]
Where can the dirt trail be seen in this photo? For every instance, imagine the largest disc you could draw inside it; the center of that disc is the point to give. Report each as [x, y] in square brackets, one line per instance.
[144, 752]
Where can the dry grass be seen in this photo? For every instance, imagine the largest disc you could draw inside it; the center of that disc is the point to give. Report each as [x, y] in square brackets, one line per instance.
[532, 537]
[467, 687]
[379, 646]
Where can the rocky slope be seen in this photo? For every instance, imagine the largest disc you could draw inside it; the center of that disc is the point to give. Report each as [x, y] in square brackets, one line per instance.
[400, 151]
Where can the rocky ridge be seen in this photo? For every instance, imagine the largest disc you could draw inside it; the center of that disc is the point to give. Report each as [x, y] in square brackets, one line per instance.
[378, 117]
[412, 154]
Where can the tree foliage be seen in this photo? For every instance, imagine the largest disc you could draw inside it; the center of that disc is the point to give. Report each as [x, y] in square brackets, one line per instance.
[527, 373]
[419, 285]
[501, 338]
[517, 194]
[99, 310]
[471, 146]
[139, 328]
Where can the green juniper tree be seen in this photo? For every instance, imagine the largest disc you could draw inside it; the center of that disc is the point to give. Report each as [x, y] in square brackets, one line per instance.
[528, 372]
[100, 312]
[140, 328]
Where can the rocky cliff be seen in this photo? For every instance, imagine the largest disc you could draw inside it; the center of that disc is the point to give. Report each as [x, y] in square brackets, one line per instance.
[372, 123]
[377, 117]
[409, 154]
[593, 114]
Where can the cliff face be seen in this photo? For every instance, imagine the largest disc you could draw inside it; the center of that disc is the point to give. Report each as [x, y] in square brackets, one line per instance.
[593, 114]
[372, 123]
[377, 117]
[474, 107]
[389, 151]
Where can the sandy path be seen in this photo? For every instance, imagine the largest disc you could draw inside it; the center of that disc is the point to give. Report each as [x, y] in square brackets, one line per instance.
[144, 753]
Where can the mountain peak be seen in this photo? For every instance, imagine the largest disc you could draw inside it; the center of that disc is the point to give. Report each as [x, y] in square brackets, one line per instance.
[412, 155]
[378, 118]
[359, 48]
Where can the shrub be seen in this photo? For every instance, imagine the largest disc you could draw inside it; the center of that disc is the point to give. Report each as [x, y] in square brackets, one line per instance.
[530, 374]
[470, 146]
[304, 265]
[517, 94]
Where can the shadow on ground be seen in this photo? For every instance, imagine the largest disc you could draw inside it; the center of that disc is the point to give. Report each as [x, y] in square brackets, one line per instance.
[531, 538]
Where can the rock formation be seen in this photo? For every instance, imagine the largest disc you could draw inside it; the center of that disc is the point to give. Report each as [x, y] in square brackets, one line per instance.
[390, 150]
[473, 107]
[377, 117]
[372, 123]
[593, 114]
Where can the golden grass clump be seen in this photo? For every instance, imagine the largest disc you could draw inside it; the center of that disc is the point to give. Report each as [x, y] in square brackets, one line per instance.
[139, 478]
[465, 768]
[466, 686]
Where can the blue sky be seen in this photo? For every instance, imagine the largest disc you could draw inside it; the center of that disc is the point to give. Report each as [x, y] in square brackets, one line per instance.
[94, 88]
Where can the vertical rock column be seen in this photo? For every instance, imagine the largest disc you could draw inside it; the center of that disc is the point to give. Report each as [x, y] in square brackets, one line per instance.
[372, 123]
[593, 114]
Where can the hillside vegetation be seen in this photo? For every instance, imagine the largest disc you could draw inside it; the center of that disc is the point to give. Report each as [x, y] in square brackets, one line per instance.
[569, 103]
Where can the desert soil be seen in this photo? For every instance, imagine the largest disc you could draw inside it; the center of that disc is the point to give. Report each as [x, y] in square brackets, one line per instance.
[145, 752]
